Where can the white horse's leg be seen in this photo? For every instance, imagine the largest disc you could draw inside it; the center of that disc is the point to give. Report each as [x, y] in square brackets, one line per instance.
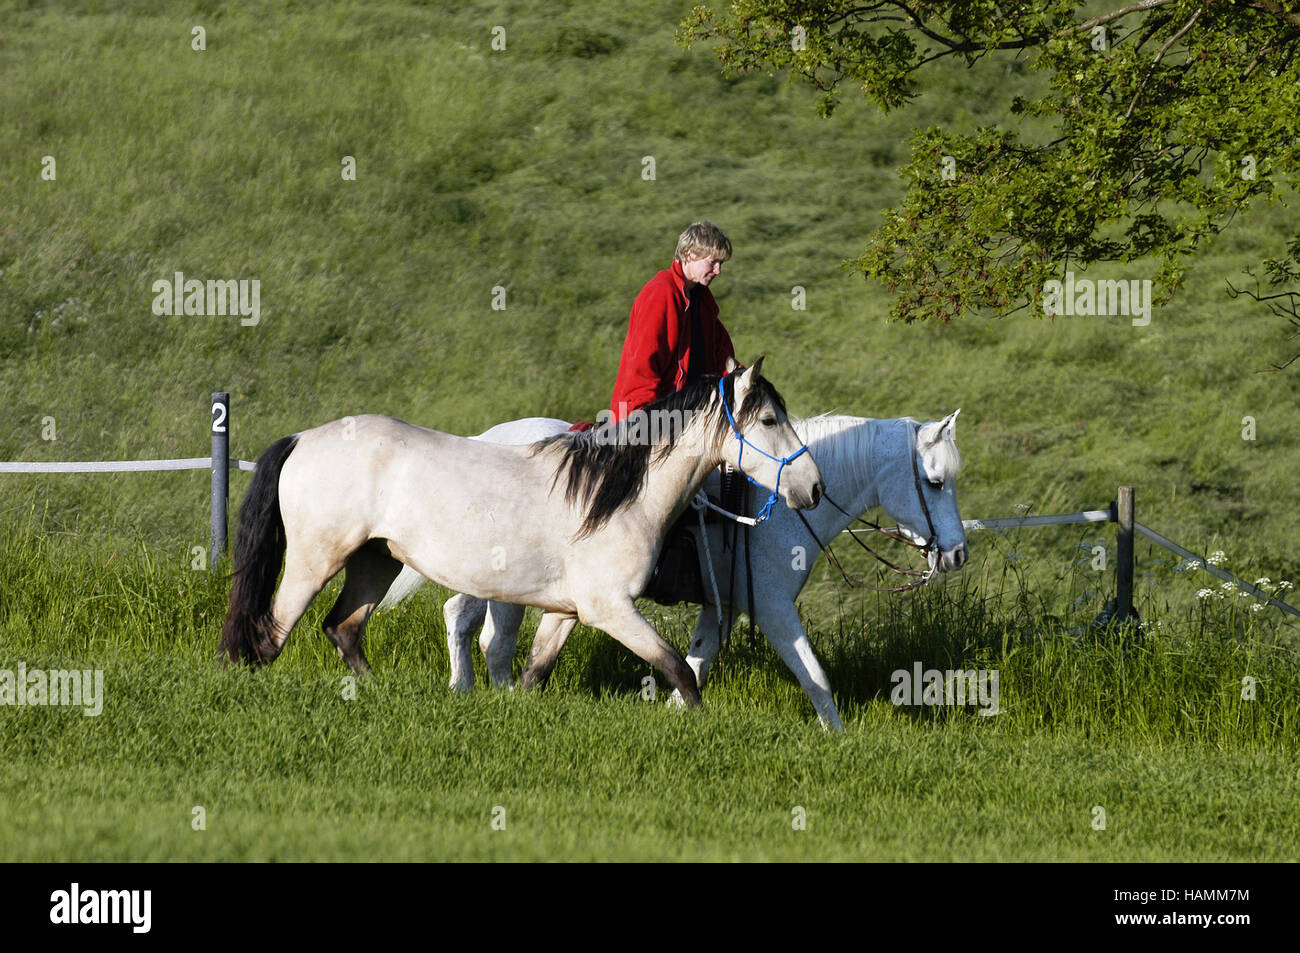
[498, 639]
[552, 632]
[403, 587]
[462, 616]
[784, 629]
[705, 645]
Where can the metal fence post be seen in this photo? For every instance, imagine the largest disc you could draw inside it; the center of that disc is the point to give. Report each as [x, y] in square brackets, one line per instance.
[220, 474]
[1124, 556]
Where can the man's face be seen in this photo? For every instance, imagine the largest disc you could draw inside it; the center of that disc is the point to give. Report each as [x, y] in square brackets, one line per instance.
[702, 270]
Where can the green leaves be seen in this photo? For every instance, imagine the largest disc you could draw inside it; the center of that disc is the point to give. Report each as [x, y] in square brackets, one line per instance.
[1163, 121]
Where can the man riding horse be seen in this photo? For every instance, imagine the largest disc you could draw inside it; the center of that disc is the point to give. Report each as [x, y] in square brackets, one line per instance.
[673, 332]
[673, 337]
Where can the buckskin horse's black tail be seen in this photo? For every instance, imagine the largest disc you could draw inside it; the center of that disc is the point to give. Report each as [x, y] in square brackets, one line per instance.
[259, 550]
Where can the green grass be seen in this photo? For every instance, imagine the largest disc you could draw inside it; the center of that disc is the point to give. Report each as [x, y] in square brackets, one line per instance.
[286, 770]
[523, 169]
[1151, 727]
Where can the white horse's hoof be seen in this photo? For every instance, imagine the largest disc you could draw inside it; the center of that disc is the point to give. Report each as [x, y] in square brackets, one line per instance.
[832, 724]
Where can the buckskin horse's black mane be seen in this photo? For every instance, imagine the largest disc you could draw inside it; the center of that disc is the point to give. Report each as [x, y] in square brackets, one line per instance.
[606, 468]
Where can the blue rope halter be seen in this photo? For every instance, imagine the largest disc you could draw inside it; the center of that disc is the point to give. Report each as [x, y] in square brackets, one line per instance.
[771, 500]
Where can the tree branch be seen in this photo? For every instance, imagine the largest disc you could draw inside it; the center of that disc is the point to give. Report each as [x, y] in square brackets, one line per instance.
[1122, 12]
[1274, 9]
[1154, 63]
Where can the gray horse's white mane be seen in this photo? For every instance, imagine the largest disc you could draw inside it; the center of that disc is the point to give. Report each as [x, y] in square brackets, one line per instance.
[844, 443]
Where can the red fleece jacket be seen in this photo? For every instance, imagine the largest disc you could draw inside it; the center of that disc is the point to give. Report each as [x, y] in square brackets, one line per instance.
[657, 349]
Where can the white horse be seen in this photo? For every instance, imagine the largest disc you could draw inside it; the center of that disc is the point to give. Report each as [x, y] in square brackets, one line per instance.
[905, 468]
[372, 493]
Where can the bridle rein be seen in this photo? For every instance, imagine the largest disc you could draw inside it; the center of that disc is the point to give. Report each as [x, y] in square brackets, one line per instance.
[926, 548]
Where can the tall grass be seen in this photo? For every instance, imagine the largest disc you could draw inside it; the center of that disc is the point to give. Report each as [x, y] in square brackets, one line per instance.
[1176, 679]
[298, 762]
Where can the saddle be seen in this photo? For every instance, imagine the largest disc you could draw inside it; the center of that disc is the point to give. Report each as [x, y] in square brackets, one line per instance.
[678, 576]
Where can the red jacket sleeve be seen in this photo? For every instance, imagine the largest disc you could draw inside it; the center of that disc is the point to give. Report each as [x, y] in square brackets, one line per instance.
[647, 351]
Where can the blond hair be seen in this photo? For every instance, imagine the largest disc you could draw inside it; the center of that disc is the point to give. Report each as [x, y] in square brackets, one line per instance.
[703, 240]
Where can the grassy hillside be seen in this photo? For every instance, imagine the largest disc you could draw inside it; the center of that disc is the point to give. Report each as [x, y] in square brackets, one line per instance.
[522, 169]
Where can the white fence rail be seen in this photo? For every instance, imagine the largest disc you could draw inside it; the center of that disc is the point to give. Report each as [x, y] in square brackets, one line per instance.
[220, 465]
[122, 466]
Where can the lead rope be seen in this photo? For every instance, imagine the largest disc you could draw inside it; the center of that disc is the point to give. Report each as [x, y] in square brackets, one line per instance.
[708, 560]
[749, 589]
[701, 500]
[729, 480]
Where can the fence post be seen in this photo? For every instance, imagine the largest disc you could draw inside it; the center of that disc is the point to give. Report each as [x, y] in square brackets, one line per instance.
[220, 474]
[1124, 556]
